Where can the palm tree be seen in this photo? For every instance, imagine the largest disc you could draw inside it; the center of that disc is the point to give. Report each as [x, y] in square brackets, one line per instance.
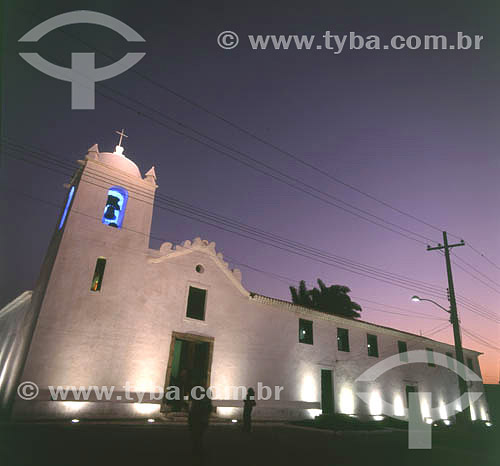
[332, 299]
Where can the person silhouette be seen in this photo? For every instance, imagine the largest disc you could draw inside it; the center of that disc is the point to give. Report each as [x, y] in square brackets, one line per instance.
[198, 419]
[248, 405]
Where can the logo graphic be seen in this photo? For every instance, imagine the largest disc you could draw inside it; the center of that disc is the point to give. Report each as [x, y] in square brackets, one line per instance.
[419, 432]
[28, 390]
[83, 74]
[228, 40]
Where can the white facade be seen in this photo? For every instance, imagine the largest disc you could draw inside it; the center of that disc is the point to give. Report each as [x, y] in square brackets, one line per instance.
[125, 333]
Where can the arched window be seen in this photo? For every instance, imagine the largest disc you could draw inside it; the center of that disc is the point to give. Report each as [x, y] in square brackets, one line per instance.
[115, 207]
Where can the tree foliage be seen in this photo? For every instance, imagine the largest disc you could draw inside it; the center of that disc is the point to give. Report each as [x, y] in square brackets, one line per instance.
[332, 299]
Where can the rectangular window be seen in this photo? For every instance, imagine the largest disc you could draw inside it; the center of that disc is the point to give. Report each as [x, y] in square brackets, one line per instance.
[343, 339]
[196, 303]
[470, 364]
[305, 331]
[402, 350]
[98, 274]
[372, 345]
[430, 357]
[451, 361]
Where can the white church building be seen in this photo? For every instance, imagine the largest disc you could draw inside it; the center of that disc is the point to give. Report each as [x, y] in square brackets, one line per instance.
[108, 311]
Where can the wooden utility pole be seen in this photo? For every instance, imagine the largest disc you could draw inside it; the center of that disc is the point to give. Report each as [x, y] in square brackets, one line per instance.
[459, 352]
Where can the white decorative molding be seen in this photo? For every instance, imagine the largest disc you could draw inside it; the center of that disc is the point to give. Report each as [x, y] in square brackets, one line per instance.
[168, 252]
[93, 153]
[150, 176]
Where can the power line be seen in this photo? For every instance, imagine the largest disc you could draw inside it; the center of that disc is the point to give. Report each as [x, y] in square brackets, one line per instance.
[244, 131]
[476, 278]
[183, 125]
[488, 316]
[278, 174]
[463, 300]
[438, 329]
[318, 253]
[480, 339]
[234, 261]
[476, 270]
[484, 256]
[289, 281]
[414, 285]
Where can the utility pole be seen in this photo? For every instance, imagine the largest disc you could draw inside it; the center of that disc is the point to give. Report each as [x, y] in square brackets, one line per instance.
[459, 353]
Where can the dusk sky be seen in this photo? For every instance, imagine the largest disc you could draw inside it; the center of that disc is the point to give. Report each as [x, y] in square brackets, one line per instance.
[416, 129]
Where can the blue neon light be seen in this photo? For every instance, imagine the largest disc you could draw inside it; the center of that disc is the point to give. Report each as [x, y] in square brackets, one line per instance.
[66, 207]
[115, 207]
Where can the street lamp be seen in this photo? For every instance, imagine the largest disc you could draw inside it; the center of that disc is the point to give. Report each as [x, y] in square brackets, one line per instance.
[462, 386]
[417, 299]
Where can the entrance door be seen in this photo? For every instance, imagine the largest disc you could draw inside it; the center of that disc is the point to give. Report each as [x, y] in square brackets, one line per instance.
[411, 389]
[189, 365]
[326, 391]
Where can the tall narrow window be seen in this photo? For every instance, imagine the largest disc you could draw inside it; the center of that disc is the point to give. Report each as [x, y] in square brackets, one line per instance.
[430, 357]
[343, 339]
[470, 364]
[196, 303]
[451, 361]
[115, 207]
[372, 345]
[98, 274]
[66, 207]
[403, 351]
[305, 331]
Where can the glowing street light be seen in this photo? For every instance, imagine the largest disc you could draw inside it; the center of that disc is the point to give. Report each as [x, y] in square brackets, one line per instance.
[417, 299]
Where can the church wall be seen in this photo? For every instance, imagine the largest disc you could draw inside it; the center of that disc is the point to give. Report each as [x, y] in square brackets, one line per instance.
[121, 335]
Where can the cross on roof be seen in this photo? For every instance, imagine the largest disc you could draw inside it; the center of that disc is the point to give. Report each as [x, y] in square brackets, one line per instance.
[122, 134]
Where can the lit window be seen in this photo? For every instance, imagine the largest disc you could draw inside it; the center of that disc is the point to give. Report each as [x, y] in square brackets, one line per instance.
[115, 207]
[305, 331]
[372, 345]
[451, 361]
[66, 207]
[430, 357]
[402, 350]
[98, 274]
[343, 339]
[196, 303]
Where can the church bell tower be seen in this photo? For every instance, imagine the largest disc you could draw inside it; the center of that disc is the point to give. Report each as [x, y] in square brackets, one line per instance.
[92, 272]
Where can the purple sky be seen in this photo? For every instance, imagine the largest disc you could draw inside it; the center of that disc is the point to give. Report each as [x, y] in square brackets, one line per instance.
[417, 129]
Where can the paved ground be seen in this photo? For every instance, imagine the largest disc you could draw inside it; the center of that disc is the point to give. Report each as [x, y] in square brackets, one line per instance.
[141, 445]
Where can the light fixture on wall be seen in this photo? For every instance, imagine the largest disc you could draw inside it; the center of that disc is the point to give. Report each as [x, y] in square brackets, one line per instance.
[346, 401]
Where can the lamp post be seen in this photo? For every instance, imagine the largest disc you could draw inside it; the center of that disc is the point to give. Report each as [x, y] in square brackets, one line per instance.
[417, 299]
[462, 385]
